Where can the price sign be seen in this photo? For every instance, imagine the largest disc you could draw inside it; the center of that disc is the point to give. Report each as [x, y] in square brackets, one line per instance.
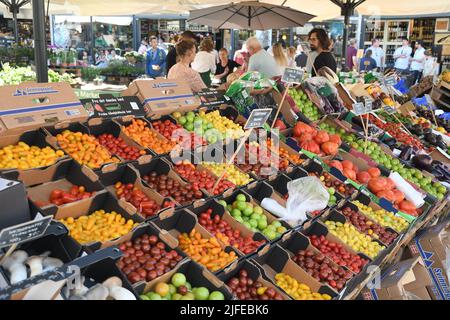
[359, 108]
[368, 105]
[391, 81]
[292, 75]
[258, 118]
[24, 232]
[389, 110]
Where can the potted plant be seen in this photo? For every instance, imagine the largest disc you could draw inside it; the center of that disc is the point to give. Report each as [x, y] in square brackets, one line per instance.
[72, 57]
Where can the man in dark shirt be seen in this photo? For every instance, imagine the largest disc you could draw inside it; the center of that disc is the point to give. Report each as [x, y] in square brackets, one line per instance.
[171, 58]
[320, 42]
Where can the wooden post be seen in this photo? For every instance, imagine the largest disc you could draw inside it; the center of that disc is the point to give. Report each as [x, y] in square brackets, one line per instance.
[8, 253]
[281, 104]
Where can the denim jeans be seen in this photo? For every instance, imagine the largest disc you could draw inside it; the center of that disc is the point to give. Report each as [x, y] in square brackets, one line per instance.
[417, 75]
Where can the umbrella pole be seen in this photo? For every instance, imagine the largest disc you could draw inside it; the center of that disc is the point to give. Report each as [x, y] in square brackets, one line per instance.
[15, 10]
[40, 51]
[345, 39]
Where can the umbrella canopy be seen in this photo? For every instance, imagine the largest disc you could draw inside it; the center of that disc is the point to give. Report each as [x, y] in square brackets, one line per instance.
[252, 15]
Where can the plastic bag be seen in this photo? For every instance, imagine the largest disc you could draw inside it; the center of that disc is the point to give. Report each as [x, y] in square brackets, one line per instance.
[305, 195]
[251, 76]
[330, 99]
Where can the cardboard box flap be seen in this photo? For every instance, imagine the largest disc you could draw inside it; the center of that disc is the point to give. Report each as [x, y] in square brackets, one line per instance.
[163, 96]
[31, 105]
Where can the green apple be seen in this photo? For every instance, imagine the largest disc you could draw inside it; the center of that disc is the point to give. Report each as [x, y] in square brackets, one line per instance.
[178, 280]
[201, 293]
[216, 295]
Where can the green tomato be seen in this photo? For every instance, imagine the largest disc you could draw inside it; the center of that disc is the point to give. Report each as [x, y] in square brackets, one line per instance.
[172, 289]
[241, 197]
[144, 297]
[154, 296]
[262, 224]
[223, 203]
[241, 206]
[182, 121]
[248, 211]
[258, 210]
[236, 213]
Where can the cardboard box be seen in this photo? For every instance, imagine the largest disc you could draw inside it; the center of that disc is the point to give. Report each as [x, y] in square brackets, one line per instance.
[294, 242]
[125, 122]
[406, 280]
[125, 174]
[196, 275]
[432, 245]
[56, 241]
[336, 216]
[99, 127]
[253, 273]
[151, 230]
[31, 105]
[184, 221]
[276, 260]
[13, 199]
[65, 175]
[161, 166]
[219, 210]
[230, 196]
[163, 96]
[101, 201]
[36, 138]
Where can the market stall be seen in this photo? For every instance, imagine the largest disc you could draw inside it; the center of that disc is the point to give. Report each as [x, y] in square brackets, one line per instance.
[142, 187]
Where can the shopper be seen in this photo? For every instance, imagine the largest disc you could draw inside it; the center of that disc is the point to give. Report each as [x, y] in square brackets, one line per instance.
[239, 55]
[377, 53]
[367, 63]
[418, 62]
[291, 53]
[337, 48]
[431, 67]
[225, 66]
[171, 59]
[320, 43]
[205, 61]
[261, 60]
[280, 57]
[301, 58]
[143, 48]
[186, 51]
[155, 60]
[402, 55]
[352, 52]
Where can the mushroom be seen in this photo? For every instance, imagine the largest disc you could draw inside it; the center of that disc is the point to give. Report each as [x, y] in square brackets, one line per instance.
[35, 264]
[80, 289]
[50, 263]
[116, 291]
[16, 267]
[97, 292]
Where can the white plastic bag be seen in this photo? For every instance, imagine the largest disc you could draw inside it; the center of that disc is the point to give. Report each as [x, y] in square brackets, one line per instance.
[305, 195]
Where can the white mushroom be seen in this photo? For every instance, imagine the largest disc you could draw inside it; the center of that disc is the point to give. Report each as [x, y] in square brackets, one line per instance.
[116, 291]
[97, 292]
[77, 298]
[50, 263]
[112, 282]
[16, 267]
[80, 289]
[119, 293]
[35, 264]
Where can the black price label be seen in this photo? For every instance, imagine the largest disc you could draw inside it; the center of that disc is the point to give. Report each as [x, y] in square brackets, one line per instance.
[212, 97]
[24, 232]
[293, 75]
[258, 118]
[113, 107]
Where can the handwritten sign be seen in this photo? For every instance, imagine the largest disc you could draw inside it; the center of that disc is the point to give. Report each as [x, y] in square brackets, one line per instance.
[258, 118]
[292, 75]
[24, 232]
[389, 110]
[391, 81]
